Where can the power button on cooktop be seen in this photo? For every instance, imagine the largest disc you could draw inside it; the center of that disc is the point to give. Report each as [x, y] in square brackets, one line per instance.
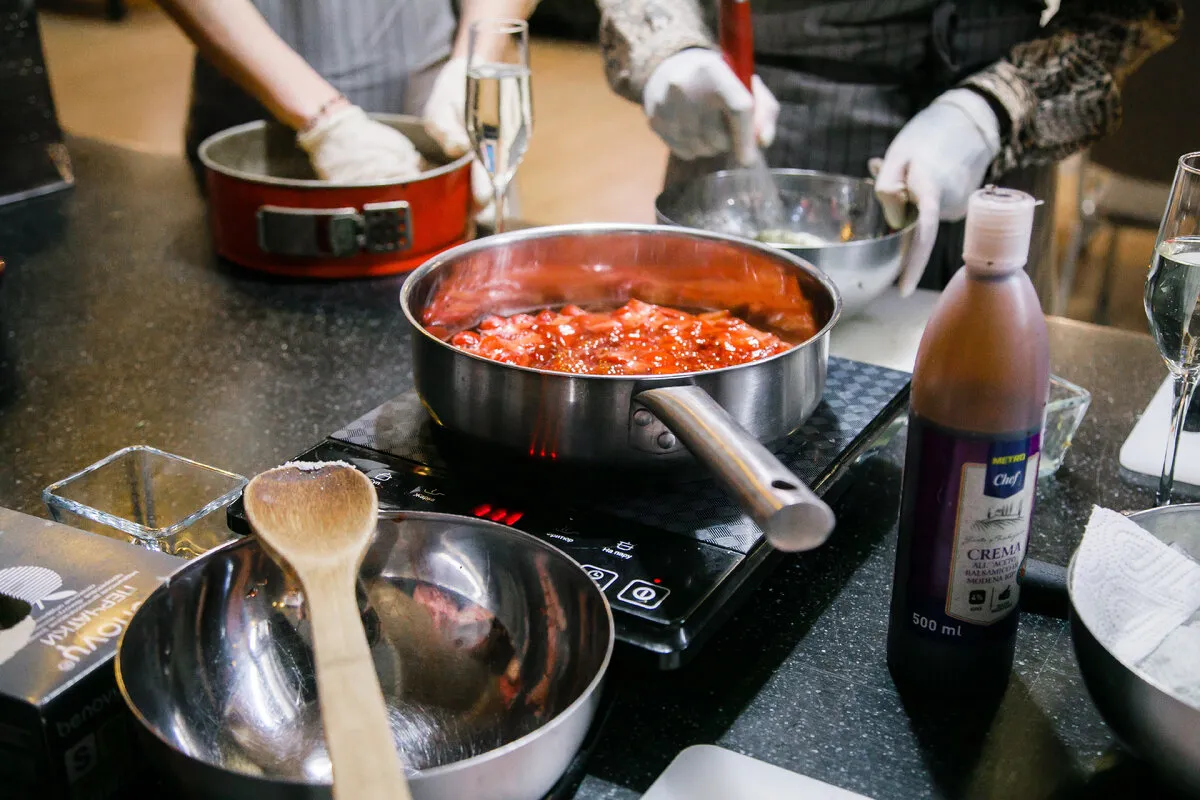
[643, 594]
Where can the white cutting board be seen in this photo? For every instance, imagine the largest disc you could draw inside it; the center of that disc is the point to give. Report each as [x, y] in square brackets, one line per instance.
[887, 332]
[706, 772]
[1144, 449]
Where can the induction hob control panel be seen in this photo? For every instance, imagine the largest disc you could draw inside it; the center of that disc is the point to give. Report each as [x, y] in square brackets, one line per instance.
[663, 588]
[675, 558]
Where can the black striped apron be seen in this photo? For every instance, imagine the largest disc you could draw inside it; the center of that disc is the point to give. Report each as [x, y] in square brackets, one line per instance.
[848, 74]
[382, 54]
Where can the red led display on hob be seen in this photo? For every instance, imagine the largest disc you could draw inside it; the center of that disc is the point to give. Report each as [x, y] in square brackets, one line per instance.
[496, 514]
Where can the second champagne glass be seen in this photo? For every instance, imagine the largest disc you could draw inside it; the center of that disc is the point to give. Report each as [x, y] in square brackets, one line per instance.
[499, 111]
[1173, 301]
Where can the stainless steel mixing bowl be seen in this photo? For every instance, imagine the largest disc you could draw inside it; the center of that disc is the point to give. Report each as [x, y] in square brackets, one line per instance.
[1146, 718]
[858, 250]
[491, 648]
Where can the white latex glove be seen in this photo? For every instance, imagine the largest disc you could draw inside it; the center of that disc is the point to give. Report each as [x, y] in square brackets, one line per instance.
[445, 120]
[347, 146]
[699, 107]
[936, 161]
[446, 108]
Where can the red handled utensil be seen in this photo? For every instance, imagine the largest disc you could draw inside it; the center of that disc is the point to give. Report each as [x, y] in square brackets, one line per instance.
[736, 37]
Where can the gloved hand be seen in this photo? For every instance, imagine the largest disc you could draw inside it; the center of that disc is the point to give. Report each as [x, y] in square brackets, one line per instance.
[699, 107]
[445, 120]
[936, 161]
[446, 108]
[347, 146]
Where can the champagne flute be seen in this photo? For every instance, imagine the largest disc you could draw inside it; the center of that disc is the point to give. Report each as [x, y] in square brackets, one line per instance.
[1173, 301]
[499, 108]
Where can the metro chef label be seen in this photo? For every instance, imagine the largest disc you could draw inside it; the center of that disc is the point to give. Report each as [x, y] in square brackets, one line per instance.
[994, 504]
[969, 512]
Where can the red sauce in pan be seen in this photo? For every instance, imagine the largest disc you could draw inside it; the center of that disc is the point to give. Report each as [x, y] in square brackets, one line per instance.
[636, 339]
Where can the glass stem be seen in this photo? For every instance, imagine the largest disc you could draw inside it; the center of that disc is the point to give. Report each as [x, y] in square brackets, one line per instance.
[498, 192]
[1185, 387]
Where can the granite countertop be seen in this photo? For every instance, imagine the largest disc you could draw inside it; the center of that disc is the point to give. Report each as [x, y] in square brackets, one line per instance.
[118, 326]
[798, 677]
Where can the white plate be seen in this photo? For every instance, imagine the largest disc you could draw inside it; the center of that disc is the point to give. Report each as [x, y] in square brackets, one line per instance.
[706, 772]
[1143, 450]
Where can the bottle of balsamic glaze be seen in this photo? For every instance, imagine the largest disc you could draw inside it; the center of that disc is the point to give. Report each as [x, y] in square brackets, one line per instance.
[979, 392]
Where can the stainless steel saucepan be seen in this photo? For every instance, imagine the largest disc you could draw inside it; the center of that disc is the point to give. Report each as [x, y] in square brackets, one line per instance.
[1147, 718]
[720, 417]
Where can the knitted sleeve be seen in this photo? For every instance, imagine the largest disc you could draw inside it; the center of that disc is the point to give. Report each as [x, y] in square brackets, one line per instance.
[1062, 91]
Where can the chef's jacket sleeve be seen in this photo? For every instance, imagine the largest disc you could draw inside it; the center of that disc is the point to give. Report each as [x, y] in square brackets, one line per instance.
[637, 35]
[1062, 91]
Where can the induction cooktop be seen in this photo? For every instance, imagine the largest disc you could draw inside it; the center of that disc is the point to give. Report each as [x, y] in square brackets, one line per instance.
[674, 554]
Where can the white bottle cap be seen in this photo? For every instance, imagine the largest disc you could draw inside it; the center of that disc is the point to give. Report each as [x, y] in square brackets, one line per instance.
[999, 227]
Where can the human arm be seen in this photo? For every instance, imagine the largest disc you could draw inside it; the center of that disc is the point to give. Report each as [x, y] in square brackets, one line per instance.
[1051, 97]
[1060, 92]
[235, 38]
[638, 35]
[343, 144]
[445, 109]
[660, 53]
[475, 10]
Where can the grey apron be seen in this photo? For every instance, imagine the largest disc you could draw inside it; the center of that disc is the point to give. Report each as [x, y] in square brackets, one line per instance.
[381, 54]
[848, 74]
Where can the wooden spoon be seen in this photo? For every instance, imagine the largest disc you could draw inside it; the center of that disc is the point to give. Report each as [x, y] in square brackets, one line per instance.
[319, 518]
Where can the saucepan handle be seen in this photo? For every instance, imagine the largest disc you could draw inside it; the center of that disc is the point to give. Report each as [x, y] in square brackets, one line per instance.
[1044, 589]
[792, 517]
[335, 232]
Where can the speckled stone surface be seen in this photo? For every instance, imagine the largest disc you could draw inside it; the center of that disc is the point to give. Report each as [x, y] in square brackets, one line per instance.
[798, 677]
[118, 326]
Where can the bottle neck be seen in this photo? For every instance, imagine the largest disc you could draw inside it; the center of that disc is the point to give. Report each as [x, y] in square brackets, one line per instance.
[991, 270]
[983, 362]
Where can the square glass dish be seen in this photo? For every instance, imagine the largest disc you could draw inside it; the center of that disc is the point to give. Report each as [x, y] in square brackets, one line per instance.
[149, 497]
[1065, 409]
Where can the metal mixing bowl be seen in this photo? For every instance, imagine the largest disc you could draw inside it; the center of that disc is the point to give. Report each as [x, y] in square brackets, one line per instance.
[1146, 718]
[491, 648]
[860, 252]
